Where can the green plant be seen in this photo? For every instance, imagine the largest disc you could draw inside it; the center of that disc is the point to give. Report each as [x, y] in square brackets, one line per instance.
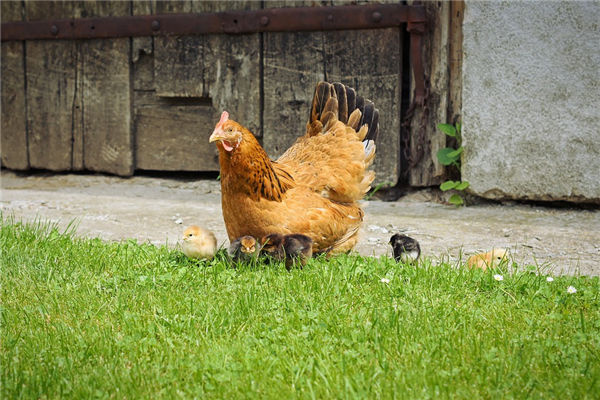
[451, 156]
[377, 187]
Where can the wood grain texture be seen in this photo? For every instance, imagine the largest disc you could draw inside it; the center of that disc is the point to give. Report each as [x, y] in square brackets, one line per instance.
[13, 134]
[142, 51]
[51, 86]
[370, 61]
[171, 134]
[78, 95]
[108, 143]
[107, 137]
[428, 171]
[293, 64]
[213, 72]
[457, 9]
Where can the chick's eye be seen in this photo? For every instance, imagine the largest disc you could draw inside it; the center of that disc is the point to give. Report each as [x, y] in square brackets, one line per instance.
[190, 235]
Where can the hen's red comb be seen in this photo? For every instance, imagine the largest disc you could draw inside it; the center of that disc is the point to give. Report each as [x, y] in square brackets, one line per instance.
[224, 118]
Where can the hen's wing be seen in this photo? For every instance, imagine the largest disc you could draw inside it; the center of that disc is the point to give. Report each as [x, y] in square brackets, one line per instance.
[334, 155]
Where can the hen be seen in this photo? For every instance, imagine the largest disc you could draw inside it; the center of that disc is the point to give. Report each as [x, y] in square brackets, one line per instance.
[314, 187]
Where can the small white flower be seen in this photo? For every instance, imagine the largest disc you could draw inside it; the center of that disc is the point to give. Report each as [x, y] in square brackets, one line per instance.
[549, 279]
[179, 221]
[385, 280]
[498, 277]
[571, 290]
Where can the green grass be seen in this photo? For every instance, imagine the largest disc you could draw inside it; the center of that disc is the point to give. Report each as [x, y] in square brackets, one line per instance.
[84, 318]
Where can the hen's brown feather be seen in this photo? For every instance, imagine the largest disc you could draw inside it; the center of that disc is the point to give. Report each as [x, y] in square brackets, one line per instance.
[313, 188]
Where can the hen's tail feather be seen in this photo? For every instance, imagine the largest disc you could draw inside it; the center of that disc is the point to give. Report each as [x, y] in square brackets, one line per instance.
[354, 119]
[347, 102]
[322, 94]
[350, 100]
[338, 243]
[340, 92]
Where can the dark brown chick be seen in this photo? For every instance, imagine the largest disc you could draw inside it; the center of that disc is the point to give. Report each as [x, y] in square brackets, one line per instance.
[293, 249]
[406, 249]
[272, 246]
[297, 249]
[245, 248]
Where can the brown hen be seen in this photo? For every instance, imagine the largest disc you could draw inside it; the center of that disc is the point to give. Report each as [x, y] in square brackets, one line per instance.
[314, 187]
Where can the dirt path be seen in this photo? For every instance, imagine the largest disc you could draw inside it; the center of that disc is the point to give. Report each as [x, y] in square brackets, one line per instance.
[157, 210]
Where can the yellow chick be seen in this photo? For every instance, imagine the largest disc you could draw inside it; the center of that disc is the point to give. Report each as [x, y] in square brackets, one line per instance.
[199, 243]
[491, 259]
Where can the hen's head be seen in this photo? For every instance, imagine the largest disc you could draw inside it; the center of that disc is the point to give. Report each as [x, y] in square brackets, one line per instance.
[228, 134]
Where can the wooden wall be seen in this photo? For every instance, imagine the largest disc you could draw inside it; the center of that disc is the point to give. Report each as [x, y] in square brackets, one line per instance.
[150, 103]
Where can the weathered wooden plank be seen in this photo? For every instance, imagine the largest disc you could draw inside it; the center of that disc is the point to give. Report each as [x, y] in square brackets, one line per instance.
[51, 87]
[170, 134]
[370, 61]
[142, 51]
[232, 78]
[60, 87]
[108, 144]
[178, 61]
[455, 50]
[14, 130]
[223, 68]
[107, 127]
[426, 140]
[293, 64]
[213, 72]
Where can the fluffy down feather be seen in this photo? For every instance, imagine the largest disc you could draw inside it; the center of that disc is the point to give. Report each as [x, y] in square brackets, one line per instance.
[313, 188]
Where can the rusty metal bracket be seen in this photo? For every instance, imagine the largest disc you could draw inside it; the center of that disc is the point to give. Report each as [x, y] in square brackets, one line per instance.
[293, 19]
[232, 22]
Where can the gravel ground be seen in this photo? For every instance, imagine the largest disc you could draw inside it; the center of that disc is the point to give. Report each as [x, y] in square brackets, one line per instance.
[157, 210]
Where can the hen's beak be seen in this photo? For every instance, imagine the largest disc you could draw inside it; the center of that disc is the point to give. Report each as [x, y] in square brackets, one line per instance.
[216, 135]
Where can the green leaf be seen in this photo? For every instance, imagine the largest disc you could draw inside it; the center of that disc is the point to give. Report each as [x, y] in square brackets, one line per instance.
[455, 153]
[458, 127]
[447, 129]
[448, 185]
[456, 200]
[443, 156]
[462, 186]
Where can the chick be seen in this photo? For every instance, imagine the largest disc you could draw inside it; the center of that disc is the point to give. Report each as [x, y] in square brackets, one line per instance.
[491, 259]
[244, 248]
[297, 248]
[289, 248]
[199, 243]
[272, 246]
[406, 249]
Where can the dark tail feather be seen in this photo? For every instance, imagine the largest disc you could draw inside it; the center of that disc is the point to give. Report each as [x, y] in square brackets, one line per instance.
[322, 94]
[347, 102]
[350, 99]
[340, 92]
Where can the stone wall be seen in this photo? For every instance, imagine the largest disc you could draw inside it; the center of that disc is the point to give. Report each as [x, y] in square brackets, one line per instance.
[531, 100]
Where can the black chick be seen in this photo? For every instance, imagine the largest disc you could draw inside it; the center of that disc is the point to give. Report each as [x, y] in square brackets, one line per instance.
[272, 246]
[406, 249]
[289, 248]
[244, 248]
[297, 248]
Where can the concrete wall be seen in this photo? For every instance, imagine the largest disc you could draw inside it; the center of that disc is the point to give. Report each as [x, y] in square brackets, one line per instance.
[531, 100]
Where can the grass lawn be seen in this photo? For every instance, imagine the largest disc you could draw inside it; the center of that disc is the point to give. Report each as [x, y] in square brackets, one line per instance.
[84, 318]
